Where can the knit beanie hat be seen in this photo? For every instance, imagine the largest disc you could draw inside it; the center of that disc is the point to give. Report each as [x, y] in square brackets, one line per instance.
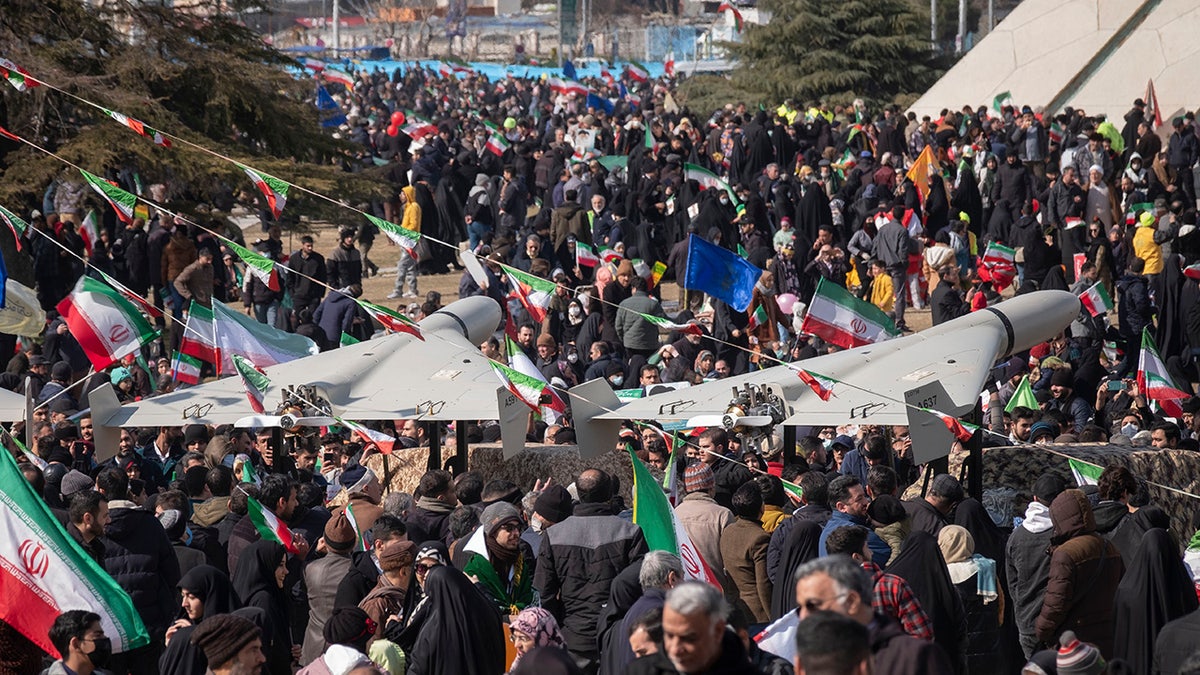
[339, 533]
[699, 478]
[554, 504]
[1078, 658]
[221, 637]
[497, 514]
[75, 481]
[347, 626]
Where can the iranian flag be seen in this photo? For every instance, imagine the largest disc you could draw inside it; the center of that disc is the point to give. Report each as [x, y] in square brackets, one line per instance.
[707, 179]
[43, 572]
[17, 76]
[1071, 222]
[262, 267]
[794, 491]
[352, 518]
[838, 317]
[344, 79]
[254, 380]
[1192, 271]
[249, 475]
[107, 326]
[585, 255]
[1085, 473]
[1055, 132]
[139, 128]
[315, 65]
[662, 529]
[222, 331]
[738, 22]
[186, 369]
[534, 293]
[637, 72]
[550, 405]
[121, 201]
[417, 127]
[567, 86]
[89, 232]
[608, 255]
[348, 339]
[962, 432]
[29, 456]
[393, 321]
[525, 387]
[271, 187]
[690, 327]
[403, 237]
[269, 526]
[14, 222]
[998, 265]
[757, 318]
[497, 144]
[821, 386]
[384, 442]
[1154, 382]
[1096, 300]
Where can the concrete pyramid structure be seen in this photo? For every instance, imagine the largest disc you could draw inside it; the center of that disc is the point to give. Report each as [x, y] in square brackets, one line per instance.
[1097, 55]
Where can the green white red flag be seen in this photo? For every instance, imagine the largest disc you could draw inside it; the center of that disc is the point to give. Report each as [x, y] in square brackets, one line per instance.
[962, 432]
[497, 144]
[15, 223]
[139, 128]
[348, 339]
[1096, 300]
[838, 317]
[637, 72]
[339, 77]
[29, 456]
[757, 318]
[269, 526]
[534, 293]
[1154, 382]
[186, 369]
[352, 518]
[708, 179]
[254, 380]
[121, 201]
[17, 76]
[738, 22]
[608, 255]
[89, 232]
[215, 334]
[1192, 271]
[44, 572]
[525, 387]
[417, 127]
[262, 267]
[273, 190]
[662, 529]
[998, 265]
[550, 405]
[666, 324]
[143, 304]
[107, 326]
[393, 321]
[384, 442]
[585, 255]
[1085, 473]
[403, 237]
[821, 386]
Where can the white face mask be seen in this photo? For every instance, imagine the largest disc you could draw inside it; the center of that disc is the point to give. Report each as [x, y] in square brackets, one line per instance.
[572, 358]
[1130, 429]
[618, 380]
[574, 312]
[535, 523]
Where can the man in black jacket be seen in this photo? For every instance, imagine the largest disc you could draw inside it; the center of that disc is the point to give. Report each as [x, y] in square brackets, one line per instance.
[306, 286]
[139, 557]
[578, 561]
[713, 449]
[1026, 562]
[947, 301]
[429, 518]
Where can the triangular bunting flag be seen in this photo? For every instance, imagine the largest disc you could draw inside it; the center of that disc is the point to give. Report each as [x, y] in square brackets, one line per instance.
[255, 381]
[121, 201]
[274, 190]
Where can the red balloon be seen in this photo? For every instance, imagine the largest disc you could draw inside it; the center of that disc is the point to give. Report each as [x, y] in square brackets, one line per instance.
[397, 118]
[393, 131]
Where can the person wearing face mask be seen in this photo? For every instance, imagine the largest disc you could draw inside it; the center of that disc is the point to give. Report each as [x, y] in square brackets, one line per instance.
[615, 374]
[79, 638]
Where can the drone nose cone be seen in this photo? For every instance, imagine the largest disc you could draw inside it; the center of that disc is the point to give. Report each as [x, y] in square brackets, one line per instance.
[1035, 317]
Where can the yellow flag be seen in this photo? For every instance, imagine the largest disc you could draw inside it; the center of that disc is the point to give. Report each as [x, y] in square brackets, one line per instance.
[919, 173]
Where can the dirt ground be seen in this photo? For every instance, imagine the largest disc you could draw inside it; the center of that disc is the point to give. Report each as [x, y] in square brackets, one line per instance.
[384, 254]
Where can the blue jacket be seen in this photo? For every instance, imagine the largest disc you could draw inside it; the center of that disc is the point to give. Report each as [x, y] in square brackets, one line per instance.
[335, 315]
[854, 464]
[880, 551]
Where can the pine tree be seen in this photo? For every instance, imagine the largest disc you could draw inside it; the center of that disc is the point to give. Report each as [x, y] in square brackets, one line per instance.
[197, 73]
[812, 49]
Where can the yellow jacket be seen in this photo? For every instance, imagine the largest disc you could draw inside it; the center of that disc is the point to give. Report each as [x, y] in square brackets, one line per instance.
[772, 516]
[412, 210]
[882, 293]
[1145, 248]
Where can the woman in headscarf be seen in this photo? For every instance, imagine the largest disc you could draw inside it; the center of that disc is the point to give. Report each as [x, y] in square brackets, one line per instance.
[967, 199]
[534, 627]
[386, 600]
[937, 205]
[430, 555]
[974, 578]
[799, 546]
[462, 634]
[921, 564]
[1156, 589]
[206, 592]
[258, 581]
[499, 560]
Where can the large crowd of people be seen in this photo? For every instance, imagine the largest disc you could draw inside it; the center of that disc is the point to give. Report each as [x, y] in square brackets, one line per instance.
[463, 573]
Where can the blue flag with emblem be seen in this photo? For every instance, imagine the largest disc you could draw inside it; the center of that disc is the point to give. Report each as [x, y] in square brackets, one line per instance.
[331, 112]
[722, 274]
[569, 70]
[599, 103]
